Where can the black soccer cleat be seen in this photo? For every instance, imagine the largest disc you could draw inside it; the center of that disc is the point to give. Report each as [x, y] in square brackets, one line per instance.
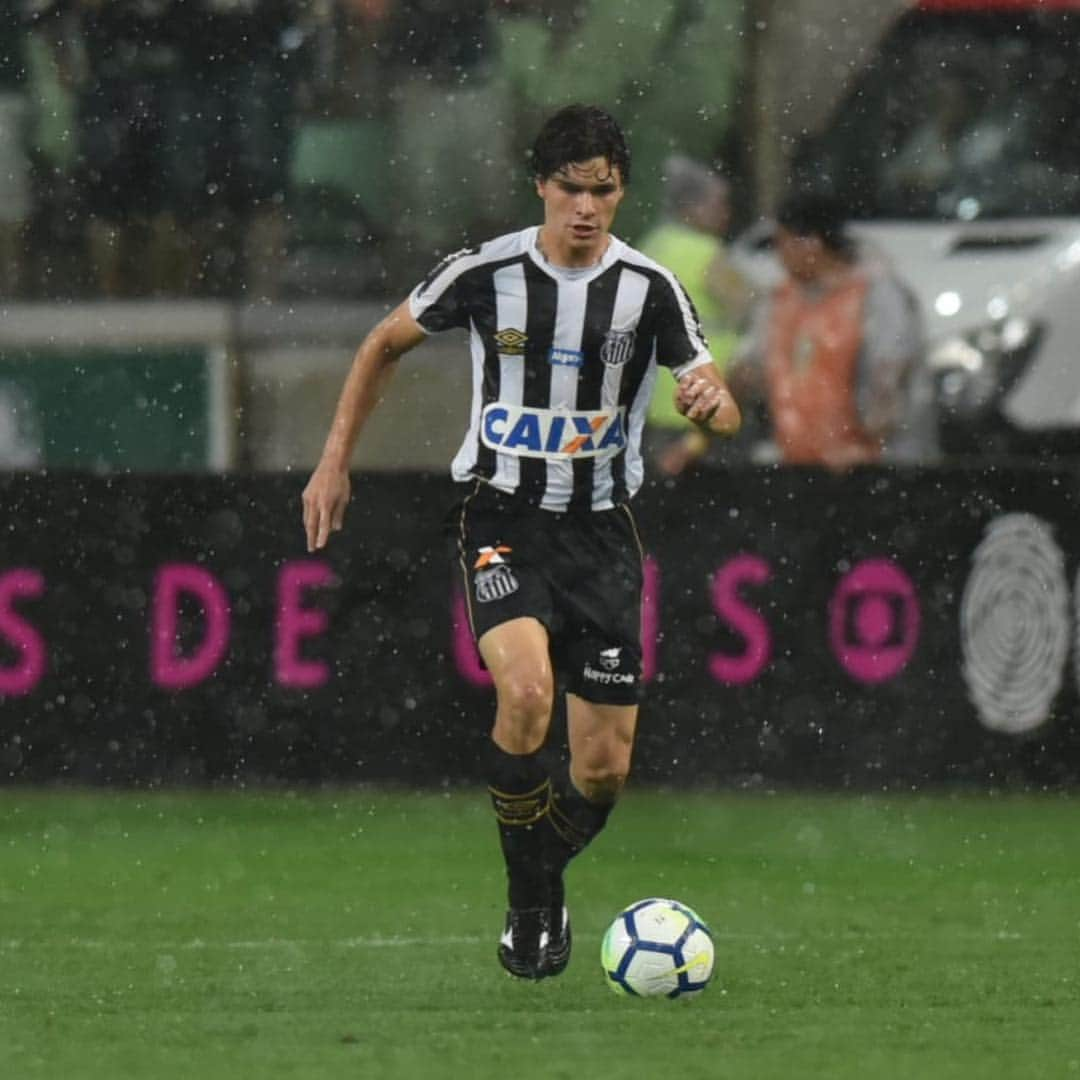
[524, 942]
[558, 950]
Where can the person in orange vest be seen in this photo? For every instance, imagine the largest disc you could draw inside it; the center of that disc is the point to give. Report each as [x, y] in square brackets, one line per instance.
[835, 350]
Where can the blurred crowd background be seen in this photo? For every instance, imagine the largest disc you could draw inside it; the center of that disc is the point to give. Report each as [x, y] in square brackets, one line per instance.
[204, 204]
[268, 148]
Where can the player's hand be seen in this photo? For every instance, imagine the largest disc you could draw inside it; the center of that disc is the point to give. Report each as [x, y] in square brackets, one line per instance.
[325, 499]
[703, 396]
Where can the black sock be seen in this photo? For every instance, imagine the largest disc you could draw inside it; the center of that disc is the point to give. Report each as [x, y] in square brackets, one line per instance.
[520, 789]
[573, 821]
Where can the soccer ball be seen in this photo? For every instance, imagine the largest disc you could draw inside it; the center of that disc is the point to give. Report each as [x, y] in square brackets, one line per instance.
[657, 948]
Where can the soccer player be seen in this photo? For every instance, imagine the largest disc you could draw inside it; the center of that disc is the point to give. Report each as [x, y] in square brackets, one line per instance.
[567, 324]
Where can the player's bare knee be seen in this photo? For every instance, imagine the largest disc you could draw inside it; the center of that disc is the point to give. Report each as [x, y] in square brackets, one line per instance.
[523, 715]
[527, 700]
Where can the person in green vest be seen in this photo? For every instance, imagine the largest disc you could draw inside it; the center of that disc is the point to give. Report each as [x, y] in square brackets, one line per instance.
[689, 240]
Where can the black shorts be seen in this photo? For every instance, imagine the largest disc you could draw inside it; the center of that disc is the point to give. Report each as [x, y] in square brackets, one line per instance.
[577, 573]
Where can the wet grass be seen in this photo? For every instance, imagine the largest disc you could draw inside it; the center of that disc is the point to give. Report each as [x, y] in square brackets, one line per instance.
[351, 934]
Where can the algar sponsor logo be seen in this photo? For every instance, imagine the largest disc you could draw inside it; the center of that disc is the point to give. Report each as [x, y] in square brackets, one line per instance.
[557, 433]
[566, 357]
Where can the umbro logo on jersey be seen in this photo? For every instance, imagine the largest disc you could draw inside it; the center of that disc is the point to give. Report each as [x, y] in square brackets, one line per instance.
[511, 342]
[552, 433]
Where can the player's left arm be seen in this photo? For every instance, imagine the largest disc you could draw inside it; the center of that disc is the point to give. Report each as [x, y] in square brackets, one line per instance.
[703, 396]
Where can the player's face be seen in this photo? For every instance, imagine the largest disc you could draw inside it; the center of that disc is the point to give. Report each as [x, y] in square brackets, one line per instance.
[580, 201]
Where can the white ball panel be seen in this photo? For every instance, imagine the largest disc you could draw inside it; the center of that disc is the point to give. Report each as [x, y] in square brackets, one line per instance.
[661, 923]
[699, 955]
[652, 973]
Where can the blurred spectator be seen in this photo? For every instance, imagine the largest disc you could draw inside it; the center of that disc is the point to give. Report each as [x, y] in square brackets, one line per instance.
[836, 349]
[184, 137]
[54, 252]
[117, 61]
[453, 141]
[690, 242]
[337, 201]
[346, 46]
[15, 199]
[444, 39]
[232, 128]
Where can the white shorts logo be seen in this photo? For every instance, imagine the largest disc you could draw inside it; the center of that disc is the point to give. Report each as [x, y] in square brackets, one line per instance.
[608, 673]
[607, 678]
[495, 583]
[609, 658]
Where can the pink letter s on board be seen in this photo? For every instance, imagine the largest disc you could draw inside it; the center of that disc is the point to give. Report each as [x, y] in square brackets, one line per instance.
[746, 666]
[26, 673]
[295, 622]
[168, 669]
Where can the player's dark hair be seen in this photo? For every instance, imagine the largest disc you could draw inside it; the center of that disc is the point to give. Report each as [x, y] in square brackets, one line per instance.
[577, 133]
[816, 213]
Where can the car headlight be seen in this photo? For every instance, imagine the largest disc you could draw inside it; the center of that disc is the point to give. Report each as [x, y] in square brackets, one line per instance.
[973, 370]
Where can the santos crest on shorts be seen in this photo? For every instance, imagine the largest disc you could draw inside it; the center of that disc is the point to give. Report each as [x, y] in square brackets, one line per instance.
[563, 364]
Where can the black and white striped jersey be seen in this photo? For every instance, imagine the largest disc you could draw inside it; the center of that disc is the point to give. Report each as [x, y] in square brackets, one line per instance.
[563, 364]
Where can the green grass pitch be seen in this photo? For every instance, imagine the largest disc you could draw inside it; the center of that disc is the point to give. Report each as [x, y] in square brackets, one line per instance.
[352, 934]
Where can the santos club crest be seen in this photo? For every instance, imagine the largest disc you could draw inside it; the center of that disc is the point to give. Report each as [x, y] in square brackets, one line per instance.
[494, 578]
[618, 347]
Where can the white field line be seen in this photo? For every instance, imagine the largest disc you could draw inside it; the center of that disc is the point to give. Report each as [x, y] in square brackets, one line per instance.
[380, 941]
[375, 942]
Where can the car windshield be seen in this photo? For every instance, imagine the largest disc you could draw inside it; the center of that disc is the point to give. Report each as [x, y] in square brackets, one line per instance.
[961, 117]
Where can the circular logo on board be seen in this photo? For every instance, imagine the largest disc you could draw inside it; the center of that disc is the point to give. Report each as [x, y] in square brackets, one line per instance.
[874, 620]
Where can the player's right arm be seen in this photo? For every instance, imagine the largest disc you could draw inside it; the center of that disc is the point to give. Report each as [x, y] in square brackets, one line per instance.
[327, 492]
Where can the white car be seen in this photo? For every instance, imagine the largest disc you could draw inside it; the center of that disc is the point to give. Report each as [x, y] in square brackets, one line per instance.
[958, 151]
